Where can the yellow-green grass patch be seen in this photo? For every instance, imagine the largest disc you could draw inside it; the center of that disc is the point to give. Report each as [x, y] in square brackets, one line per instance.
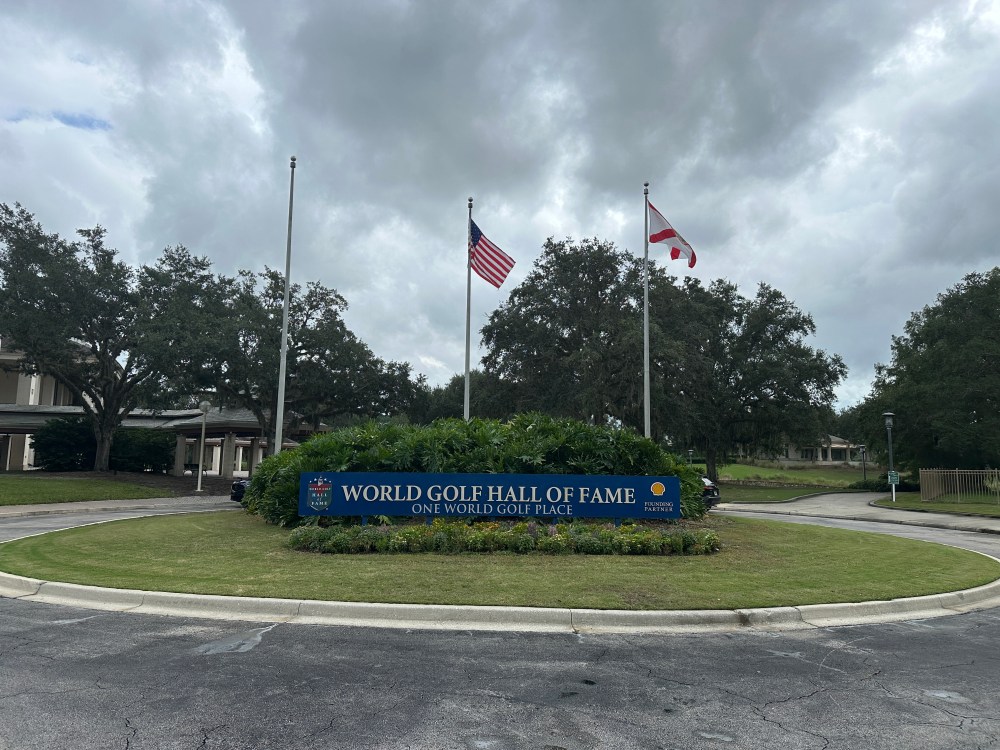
[912, 501]
[739, 493]
[827, 476]
[762, 564]
[32, 489]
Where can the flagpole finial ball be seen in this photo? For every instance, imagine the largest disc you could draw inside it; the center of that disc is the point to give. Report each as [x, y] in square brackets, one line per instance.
[645, 184]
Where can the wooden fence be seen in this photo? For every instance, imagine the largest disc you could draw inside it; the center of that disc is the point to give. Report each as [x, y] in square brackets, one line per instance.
[960, 485]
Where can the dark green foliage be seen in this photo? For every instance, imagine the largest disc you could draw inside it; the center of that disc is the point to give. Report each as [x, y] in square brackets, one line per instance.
[490, 397]
[726, 371]
[142, 450]
[527, 444]
[882, 485]
[332, 375]
[64, 445]
[451, 537]
[943, 383]
[106, 331]
[68, 444]
[116, 336]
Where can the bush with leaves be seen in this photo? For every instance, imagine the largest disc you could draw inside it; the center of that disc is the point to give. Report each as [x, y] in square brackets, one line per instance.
[68, 444]
[882, 485]
[65, 444]
[452, 537]
[527, 444]
[137, 449]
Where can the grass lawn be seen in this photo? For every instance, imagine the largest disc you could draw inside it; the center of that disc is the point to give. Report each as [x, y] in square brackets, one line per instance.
[763, 563]
[912, 501]
[21, 489]
[826, 476]
[739, 493]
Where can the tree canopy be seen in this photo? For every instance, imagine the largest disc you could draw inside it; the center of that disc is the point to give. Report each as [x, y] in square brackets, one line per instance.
[169, 333]
[943, 382]
[569, 337]
[331, 373]
[726, 370]
[102, 329]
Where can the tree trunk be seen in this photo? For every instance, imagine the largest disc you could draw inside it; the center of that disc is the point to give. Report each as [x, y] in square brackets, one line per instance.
[104, 423]
[102, 458]
[710, 469]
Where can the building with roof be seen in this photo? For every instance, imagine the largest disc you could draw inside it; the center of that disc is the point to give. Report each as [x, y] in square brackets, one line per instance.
[234, 443]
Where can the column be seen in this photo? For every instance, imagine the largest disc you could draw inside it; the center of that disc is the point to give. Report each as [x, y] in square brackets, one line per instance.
[228, 455]
[254, 454]
[180, 452]
[15, 457]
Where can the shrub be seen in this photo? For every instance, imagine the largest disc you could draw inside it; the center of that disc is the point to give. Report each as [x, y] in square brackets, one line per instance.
[138, 449]
[65, 444]
[68, 444]
[528, 444]
[554, 544]
[882, 485]
[456, 537]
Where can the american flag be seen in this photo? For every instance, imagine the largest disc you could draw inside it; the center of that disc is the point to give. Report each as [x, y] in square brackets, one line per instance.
[486, 259]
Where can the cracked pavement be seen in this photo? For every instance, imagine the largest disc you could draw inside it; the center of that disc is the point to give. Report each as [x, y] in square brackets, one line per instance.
[74, 678]
[71, 679]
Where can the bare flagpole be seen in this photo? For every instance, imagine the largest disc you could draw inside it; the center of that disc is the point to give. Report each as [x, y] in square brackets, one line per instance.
[280, 416]
[645, 310]
[468, 307]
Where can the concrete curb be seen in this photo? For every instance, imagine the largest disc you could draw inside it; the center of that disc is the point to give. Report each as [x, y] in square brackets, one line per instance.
[479, 618]
[96, 506]
[523, 619]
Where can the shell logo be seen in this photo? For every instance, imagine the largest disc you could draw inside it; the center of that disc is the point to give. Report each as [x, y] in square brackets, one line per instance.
[657, 488]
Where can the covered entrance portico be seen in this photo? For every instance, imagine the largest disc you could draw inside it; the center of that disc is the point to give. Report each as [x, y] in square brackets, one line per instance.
[234, 444]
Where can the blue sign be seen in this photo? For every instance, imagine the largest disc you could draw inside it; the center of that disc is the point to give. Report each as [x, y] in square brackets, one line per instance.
[503, 495]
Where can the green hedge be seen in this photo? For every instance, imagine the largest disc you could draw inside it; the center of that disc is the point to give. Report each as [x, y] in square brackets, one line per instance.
[68, 444]
[528, 444]
[882, 485]
[452, 537]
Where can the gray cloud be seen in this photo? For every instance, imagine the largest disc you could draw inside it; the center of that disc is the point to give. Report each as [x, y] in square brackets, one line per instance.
[843, 152]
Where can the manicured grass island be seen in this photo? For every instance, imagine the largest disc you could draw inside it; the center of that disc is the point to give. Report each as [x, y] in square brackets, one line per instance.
[760, 564]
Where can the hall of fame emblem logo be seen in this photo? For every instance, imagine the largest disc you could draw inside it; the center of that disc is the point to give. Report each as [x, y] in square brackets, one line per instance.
[319, 494]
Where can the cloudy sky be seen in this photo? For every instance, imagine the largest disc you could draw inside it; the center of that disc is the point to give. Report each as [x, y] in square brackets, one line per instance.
[844, 152]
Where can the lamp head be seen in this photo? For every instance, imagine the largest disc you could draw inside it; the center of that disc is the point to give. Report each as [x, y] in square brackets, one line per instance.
[204, 406]
[888, 418]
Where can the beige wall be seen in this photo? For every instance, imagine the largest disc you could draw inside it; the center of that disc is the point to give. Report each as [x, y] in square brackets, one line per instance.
[18, 388]
[8, 387]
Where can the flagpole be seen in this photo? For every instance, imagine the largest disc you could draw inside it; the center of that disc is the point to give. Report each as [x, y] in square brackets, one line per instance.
[645, 310]
[468, 308]
[280, 415]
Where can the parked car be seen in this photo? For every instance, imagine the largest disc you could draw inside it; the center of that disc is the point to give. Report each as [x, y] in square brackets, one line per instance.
[710, 493]
[238, 489]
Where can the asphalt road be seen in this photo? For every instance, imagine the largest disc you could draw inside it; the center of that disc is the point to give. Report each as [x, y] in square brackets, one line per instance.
[75, 678]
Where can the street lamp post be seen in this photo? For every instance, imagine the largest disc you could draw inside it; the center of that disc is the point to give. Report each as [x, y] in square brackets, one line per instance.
[690, 455]
[888, 430]
[204, 406]
[864, 466]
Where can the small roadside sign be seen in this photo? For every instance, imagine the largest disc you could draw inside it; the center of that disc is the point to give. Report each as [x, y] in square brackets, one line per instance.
[893, 478]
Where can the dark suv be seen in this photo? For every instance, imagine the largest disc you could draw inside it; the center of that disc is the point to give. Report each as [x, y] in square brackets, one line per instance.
[238, 489]
[710, 493]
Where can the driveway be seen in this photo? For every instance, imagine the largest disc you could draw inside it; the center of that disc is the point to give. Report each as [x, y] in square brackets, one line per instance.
[77, 678]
